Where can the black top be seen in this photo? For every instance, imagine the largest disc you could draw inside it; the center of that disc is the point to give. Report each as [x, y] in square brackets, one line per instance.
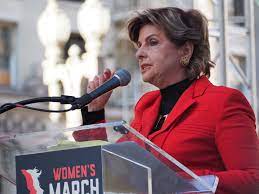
[170, 96]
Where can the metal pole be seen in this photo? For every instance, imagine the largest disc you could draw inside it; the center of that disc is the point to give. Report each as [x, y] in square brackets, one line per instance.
[222, 68]
[251, 59]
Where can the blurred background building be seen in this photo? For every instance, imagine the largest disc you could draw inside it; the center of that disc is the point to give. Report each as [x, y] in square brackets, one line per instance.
[53, 47]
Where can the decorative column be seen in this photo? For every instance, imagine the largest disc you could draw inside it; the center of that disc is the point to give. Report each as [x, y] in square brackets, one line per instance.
[93, 22]
[53, 30]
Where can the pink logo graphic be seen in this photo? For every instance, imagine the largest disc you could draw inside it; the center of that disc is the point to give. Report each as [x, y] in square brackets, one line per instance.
[32, 180]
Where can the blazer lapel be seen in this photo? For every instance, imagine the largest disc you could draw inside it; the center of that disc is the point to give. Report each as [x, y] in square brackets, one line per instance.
[183, 104]
[186, 101]
[150, 115]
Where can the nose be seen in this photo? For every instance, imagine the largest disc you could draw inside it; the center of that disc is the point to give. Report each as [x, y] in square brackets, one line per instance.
[141, 53]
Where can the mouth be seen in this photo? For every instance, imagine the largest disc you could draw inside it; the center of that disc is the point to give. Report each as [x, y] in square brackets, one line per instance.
[144, 67]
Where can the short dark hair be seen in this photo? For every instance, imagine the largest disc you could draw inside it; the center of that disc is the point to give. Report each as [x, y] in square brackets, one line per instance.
[179, 26]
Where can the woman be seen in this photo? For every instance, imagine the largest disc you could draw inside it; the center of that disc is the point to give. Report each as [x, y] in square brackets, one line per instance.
[209, 129]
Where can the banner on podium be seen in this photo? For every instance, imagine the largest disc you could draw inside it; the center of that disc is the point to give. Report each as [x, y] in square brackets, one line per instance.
[72, 171]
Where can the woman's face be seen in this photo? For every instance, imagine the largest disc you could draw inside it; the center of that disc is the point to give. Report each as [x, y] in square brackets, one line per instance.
[158, 58]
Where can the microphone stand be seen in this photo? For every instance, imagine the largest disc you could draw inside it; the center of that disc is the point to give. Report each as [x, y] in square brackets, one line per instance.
[63, 99]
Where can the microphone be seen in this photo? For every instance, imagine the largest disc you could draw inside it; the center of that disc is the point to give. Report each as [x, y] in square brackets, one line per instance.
[121, 78]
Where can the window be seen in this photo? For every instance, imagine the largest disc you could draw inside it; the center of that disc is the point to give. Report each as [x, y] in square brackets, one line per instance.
[236, 8]
[239, 8]
[236, 12]
[5, 52]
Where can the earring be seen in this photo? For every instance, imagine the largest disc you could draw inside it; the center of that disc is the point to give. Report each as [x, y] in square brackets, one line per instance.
[184, 61]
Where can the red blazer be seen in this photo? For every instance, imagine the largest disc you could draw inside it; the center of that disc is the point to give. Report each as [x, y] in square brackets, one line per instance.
[211, 130]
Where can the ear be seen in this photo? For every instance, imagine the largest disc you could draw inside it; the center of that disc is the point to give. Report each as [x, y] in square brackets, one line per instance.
[187, 49]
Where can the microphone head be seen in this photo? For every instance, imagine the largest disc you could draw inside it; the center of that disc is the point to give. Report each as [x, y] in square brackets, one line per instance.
[124, 76]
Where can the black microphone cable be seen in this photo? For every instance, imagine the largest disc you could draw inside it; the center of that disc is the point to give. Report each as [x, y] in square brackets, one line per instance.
[16, 105]
[22, 104]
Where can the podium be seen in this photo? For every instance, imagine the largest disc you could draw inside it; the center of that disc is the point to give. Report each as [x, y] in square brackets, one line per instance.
[113, 159]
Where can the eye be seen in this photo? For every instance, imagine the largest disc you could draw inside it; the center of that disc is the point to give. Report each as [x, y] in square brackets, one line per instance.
[153, 42]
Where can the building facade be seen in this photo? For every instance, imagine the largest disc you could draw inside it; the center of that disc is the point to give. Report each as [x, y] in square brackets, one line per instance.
[37, 60]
